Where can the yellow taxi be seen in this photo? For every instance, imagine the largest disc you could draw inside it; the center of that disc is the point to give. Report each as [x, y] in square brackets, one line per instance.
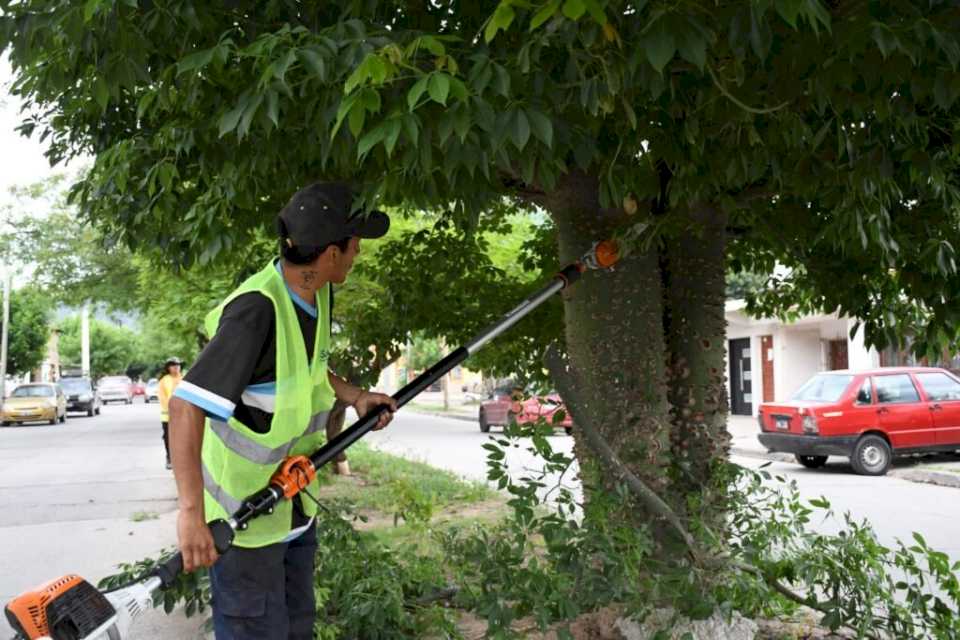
[35, 402]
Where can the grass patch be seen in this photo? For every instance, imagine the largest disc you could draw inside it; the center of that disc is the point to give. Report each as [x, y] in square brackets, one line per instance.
[391, 481]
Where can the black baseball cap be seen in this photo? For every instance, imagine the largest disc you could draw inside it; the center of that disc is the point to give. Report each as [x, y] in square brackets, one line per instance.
[323, 213]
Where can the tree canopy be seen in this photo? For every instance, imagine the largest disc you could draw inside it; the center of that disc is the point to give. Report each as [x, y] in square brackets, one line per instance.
[29, 330]
[815, 134]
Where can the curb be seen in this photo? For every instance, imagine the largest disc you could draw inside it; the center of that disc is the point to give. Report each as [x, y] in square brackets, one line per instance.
[923, 476]
[455, 416]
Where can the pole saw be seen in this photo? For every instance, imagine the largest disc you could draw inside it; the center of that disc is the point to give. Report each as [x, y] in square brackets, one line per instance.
[70, 608]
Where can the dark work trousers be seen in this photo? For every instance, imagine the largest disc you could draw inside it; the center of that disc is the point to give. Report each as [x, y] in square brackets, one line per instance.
[265, 593]
[166, 438]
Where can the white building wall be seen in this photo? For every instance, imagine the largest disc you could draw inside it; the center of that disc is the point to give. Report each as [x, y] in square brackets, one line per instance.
[798, 357]
[858, 355]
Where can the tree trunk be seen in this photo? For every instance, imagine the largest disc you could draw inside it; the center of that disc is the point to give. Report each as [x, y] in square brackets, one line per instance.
[614, 336]
[695, 330]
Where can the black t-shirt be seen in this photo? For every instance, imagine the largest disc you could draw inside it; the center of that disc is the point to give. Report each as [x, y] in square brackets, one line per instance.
[235, 372]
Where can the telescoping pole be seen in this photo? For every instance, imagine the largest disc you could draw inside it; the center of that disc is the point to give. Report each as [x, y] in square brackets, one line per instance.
[296, 473]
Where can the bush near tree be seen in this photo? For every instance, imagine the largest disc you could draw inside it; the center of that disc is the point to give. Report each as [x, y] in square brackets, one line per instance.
[819, 135]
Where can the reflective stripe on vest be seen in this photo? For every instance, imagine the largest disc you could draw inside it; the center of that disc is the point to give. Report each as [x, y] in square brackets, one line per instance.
[256, 452]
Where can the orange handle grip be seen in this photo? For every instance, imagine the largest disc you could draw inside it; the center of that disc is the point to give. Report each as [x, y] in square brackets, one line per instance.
[294, 475]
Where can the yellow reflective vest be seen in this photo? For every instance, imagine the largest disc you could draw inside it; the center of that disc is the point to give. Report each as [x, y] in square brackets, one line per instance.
[237, 461]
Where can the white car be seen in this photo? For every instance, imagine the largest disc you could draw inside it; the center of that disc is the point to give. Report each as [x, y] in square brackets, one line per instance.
[116, 389]
[151, 393]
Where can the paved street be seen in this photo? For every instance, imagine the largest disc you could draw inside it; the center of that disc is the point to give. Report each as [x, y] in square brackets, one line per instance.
[83, 496]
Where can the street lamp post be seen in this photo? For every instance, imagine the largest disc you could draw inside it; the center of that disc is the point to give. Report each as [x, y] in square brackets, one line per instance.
[3, 338]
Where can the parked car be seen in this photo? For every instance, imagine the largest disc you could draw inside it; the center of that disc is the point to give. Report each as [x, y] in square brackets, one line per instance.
[507, 403]
[867, 416]
[35, 402]
[116, 389]
[81, 395]
[138, 389]
[150, 393]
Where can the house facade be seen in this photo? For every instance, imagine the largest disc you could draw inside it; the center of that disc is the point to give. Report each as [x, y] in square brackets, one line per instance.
[768, 359]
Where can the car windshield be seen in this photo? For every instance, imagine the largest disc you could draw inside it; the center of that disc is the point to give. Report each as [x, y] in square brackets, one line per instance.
[33, 391]
[824, 387]
[75, 386]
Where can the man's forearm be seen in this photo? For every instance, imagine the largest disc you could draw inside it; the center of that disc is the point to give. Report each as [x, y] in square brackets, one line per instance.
[344, 391]
[186, 441]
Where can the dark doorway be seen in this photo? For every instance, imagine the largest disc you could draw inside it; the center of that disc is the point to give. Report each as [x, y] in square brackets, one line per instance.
[741, 377]
[838, 355]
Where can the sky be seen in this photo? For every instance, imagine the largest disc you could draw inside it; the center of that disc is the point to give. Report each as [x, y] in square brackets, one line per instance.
[21, 159]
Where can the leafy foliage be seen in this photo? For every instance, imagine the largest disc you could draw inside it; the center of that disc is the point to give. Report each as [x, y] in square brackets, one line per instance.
[823, 129]
[29, 330]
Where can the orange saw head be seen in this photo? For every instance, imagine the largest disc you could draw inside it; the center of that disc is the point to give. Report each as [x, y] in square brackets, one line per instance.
[67, 607]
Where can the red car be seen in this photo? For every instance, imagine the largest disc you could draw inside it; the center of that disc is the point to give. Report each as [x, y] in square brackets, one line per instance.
[507, 404]
[138, 389]
[867, 416]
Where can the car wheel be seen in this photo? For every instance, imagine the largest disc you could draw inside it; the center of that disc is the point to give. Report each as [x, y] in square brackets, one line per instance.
[6, 423]
[484, 425]
[812, 462]
[54, 421]
[871, 456]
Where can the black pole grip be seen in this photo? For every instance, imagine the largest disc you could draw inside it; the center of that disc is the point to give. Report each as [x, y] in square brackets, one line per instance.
[168, 570]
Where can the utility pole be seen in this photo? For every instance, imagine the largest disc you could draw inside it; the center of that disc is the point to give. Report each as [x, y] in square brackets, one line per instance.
[3, 338]
[85, 340]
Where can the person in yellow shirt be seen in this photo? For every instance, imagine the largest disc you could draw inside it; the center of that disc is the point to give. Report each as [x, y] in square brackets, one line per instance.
[171, 378]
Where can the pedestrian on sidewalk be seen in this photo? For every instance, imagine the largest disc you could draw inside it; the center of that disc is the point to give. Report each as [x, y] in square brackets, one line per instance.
[260, 391]
[165, 388]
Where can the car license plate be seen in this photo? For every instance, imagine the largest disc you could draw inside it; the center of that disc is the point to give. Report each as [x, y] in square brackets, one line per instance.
[783, 423]
[25, 413]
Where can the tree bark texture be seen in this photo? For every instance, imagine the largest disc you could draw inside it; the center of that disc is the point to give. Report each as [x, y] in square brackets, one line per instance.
[614, 336]
[695, 330]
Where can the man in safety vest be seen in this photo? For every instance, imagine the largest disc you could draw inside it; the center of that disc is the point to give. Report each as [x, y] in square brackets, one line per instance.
[259, 392]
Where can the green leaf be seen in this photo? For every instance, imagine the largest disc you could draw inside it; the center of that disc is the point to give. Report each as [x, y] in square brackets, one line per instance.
[541, 126]
[371, 139]
[358, 114]
[574, 9]
[501, 19]
[659, 45]
[393, 133]
[693, 47]
[360, 75]
[91, 9]
[596, 11]
[789, 10]
[101, 92]
[546, 12]
[520, 129]
[273, 108]
[439, 87]
[248, 114]
[416, 91]
[885, 39]
[313, 62]
[196, 60]
[761, 38]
